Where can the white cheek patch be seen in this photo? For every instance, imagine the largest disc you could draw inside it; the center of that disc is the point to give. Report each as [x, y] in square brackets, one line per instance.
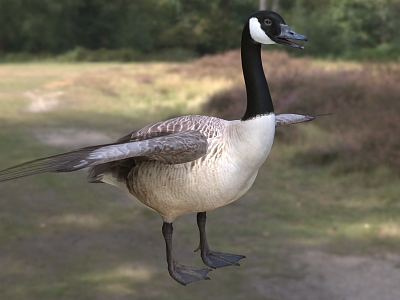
[257, 33]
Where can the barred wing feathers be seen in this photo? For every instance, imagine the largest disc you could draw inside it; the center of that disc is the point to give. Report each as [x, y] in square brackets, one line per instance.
[174, 148]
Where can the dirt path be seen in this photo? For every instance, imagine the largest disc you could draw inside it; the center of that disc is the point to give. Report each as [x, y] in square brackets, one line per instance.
[332, 277]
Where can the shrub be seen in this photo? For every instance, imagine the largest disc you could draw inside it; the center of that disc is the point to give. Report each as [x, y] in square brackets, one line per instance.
[363, 132]
[80, 54]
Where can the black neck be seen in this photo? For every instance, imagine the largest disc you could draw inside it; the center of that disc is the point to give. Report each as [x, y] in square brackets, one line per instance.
[259, 101]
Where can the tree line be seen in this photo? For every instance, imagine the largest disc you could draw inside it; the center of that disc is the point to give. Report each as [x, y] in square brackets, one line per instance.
[337, 28]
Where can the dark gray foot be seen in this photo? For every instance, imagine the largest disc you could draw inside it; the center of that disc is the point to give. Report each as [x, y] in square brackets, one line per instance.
[185, 274]
[216, 260]
[182, 274]
[213, 259]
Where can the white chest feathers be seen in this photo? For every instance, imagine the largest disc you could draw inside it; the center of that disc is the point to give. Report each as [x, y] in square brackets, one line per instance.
[250, 141]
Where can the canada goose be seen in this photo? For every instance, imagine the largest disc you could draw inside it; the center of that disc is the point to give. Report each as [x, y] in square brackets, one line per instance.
[191, 164]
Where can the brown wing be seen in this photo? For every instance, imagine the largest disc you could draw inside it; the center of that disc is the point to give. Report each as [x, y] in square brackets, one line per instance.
[209, 126]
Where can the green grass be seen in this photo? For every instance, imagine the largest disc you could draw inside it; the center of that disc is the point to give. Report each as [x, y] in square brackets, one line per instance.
[61, 238]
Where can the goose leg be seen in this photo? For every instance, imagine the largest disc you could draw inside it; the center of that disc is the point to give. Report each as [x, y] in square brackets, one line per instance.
[211, 258]
[182, 274]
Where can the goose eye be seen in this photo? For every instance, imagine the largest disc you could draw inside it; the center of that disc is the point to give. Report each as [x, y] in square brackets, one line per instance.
[268, 22]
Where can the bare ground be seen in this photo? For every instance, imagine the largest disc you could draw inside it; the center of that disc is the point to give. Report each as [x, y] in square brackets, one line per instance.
[312, 274]
[43, 102]
[319, 276]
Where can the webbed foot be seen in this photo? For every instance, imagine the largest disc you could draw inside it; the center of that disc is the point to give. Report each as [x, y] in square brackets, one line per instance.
[213, 259]
[216, 260]
[185, 274]
[181, 273]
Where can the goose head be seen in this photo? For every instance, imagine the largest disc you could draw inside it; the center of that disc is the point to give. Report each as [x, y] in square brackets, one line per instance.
[268, 27]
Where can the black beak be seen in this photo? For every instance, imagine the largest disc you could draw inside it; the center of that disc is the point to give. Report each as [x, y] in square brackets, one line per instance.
[288, 33]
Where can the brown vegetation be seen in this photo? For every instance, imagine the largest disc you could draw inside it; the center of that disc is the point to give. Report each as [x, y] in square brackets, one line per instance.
[363, 131]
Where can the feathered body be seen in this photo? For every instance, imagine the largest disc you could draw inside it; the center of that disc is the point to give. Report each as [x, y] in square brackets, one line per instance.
[236, 150]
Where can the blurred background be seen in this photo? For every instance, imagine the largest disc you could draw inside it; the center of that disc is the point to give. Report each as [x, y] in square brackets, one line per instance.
[322, 219]
[177, 29]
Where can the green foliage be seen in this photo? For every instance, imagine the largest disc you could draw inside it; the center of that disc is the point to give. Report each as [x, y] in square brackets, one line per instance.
[144, 25]
[384, 52]
[80, 54]
[367, 24]
[354, 29]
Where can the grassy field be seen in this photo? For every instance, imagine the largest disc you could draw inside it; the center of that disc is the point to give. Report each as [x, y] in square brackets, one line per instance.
[62, 238]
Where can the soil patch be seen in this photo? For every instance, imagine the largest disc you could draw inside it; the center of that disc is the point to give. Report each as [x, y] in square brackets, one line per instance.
[320, 276]
[43, 101]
